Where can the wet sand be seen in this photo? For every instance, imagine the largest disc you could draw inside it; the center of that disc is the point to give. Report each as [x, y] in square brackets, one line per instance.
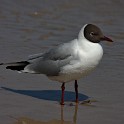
[29, 27]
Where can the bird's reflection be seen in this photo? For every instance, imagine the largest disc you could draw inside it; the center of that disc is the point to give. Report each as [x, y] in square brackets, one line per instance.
[25, 120]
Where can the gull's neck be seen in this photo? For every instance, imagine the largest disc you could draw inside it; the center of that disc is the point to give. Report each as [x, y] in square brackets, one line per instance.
[81, 33]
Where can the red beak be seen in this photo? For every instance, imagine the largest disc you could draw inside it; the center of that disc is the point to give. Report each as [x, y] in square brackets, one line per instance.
[107, 39]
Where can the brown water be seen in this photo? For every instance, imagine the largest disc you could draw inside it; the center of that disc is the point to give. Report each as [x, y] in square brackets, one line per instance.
[32, 26]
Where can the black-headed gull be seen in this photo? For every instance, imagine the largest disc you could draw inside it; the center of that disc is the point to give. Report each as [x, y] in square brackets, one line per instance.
[68, 61]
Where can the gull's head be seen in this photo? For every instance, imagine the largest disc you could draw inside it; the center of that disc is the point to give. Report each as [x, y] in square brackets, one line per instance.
[93, 34]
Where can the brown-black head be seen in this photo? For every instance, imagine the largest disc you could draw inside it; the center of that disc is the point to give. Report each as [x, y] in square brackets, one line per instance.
[94, 34]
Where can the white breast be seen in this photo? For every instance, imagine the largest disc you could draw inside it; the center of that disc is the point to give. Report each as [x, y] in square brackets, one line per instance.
[87, 57]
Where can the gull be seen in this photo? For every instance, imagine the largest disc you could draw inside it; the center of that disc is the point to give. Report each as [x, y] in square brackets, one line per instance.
[69, 61]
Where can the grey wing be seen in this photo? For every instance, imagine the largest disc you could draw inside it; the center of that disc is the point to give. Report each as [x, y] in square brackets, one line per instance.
[51, 62]
[60, 53]
[34, 56]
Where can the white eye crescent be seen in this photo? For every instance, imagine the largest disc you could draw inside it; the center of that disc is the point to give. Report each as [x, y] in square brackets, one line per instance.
[92, 33]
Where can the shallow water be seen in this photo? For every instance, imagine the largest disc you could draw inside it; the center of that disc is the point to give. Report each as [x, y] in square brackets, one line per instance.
[29, 27]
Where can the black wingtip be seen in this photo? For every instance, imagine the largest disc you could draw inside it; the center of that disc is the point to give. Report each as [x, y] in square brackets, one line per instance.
[18, 66]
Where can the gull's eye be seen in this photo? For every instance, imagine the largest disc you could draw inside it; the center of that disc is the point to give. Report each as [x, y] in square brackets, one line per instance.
[93, 34]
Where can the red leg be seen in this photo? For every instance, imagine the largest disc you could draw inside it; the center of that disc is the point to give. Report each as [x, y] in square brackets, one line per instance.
[62, 97]
[76, 91]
